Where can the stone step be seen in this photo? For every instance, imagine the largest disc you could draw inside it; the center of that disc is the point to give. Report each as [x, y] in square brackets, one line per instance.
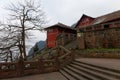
[81, 73]
[66, 75]
[96, 69]
[86, 74]
[81, 69]
[98, 66]
[75, 76]
[99, 76]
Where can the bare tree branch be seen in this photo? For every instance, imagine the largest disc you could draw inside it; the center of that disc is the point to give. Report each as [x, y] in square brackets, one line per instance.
[24, 17]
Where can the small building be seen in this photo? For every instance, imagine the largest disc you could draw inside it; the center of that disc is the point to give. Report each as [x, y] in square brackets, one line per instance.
[99, 32]
[84, 21]
[59, 30]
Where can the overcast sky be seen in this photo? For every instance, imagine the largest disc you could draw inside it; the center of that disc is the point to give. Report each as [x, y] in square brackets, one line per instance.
[68, 11]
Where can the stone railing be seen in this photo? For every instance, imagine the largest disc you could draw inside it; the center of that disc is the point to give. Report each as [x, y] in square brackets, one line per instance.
[22, 68]
[67, 57]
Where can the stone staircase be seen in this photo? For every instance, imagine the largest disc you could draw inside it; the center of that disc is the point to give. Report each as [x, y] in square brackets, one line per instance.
[79, 70]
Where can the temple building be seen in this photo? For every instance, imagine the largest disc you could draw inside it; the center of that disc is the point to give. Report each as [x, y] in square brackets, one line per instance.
[99, 32]
[66, 33]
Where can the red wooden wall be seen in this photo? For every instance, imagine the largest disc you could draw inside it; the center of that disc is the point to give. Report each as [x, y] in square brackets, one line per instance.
[51, 37]
[53, 32]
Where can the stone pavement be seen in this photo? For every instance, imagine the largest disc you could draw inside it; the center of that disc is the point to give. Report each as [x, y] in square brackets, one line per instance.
[48, 76]
[108, 63]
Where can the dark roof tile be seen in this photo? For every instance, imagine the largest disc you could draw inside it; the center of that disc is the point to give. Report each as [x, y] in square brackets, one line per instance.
[106, 18]
[60, 25]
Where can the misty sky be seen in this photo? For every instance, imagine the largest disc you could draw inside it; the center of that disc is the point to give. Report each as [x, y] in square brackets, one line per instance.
[68, 11]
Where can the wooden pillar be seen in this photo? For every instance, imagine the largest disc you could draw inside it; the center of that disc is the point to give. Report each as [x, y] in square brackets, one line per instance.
[63, 35]
[69, 36]
[80, 38]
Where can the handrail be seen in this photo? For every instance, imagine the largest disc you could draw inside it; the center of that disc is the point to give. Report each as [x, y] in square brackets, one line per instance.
[64, 49]
[63, 56]
[68, 52]
[66, 58]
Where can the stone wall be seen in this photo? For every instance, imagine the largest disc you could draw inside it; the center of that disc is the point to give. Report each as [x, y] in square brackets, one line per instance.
[107, 38]
[64, 39]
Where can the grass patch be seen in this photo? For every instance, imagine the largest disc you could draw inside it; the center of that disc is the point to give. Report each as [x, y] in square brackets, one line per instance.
[99, 53]
[101, 50]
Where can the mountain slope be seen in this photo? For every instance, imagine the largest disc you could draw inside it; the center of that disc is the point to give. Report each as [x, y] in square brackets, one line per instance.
[37, 47]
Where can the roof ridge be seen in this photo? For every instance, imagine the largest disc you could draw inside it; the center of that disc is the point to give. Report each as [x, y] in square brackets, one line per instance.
[60, 25]
[108, 13]
[87, 16]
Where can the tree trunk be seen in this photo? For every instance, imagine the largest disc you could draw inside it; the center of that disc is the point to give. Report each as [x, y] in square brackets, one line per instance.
[20, 47]
[23, 42]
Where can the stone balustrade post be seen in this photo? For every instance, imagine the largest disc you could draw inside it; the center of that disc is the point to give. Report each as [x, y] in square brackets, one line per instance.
[40, 66]
[72, 54]
[20, 66]
[57, 64]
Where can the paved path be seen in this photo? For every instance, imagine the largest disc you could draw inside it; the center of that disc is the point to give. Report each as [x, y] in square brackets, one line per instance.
[48, 76]
[109, 63]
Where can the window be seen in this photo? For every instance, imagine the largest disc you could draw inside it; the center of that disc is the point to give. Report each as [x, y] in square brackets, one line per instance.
[50, 30]
[89, 28]
[106, 26]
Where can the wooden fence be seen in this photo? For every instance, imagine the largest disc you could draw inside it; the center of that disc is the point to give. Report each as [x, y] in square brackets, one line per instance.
[22, 68]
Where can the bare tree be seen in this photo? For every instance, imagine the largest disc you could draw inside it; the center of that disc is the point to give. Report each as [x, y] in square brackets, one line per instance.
[9, 42]
[25, 16]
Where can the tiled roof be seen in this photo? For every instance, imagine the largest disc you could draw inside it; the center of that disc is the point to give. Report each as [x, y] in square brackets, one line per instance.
[106, 18]
[60, 25]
